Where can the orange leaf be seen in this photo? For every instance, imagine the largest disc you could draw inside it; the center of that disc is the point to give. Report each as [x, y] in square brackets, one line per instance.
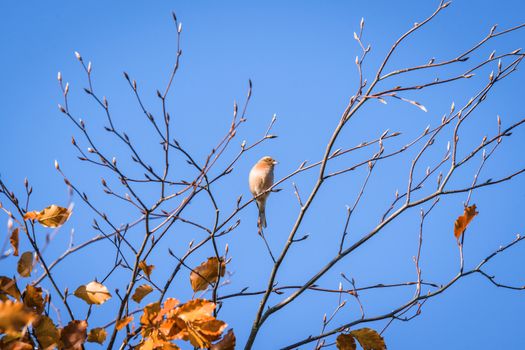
[14, 241]
[52, 216]
[14, 317]
[97, 335]
[25, 264]
[369, 339]
[461, 223]
[123, 322]
[93, 293]
[9, 287]
[147, 269]
[141, 292]
[206, 273]
[227, 342]
[33, 298]
[74, 335]
[345, 342]
[46, 332]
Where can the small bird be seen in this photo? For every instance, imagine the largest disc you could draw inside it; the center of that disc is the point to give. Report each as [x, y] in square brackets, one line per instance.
[261, 179]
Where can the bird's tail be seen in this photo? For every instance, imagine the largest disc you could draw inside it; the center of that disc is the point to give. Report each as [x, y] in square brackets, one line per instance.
[262, 214]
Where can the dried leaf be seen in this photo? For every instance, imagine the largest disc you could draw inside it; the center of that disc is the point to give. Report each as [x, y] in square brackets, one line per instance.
[206, 273]
[46, 333]
[345, 342]
[14, 318]
[93, 293]
[227, 342]
[97, 335]
[123, 322]
[369, 339]
[8, 286]
[147, 269]
[52, 216]
[74, 335]
[201, 326]
[461, 223]
[25, 264]
[14, 241]
[33, 298]
[141, 292]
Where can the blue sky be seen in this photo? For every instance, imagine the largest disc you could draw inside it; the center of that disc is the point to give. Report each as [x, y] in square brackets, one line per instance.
[300, 57]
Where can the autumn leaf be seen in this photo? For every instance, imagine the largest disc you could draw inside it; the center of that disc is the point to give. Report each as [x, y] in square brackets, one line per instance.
[20, 343]
[74, 335]
[461, 223]
[25, 264]
[141, 292]
[97, 335]
[369, 339]
[46, 333]
[123, 322]
[206, 273]
[147, 269]
[345, 342]
[227, 342]
[14, 317]
[201, 326]
[14, 241]
[52, 216]
[33, 298]
[8, 286]
[93, 293]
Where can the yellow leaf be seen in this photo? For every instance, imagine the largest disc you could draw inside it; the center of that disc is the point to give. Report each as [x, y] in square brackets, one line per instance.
[14, 318]
[123, 322]
[345, 342]
[93, 293]
[206, 273]
[14, 241]
[461, 223]
[227, 342]
[141, 292]
[33, 298]
[74, 335]
[46, 332]
[52, 216]
[9, 287]
[97, 335]
[147, 269]
[369, 339]
[25, 264]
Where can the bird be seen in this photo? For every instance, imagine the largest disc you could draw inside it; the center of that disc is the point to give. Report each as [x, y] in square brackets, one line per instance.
[260, 180]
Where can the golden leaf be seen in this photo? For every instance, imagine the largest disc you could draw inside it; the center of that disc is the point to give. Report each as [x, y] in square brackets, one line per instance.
[201, 326]
[93, 293]
[141, 292]
[123, 322]
[25, 264]
[151, 315]
[9, 287]
[345, 342]
[97, 335]
[227, 342]
[14, 317]
[14, 241]
[461, 223]
[147, 269]
[46, 332]
[52, 216]
[21, 343]
[369, 339]
[33, 298]
[206, 273]
[74, 335]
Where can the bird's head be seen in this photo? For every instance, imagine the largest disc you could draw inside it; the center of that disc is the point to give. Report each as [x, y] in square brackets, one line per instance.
[268, 161]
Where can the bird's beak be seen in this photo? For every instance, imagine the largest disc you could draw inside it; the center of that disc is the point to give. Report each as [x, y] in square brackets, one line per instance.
[275, 162]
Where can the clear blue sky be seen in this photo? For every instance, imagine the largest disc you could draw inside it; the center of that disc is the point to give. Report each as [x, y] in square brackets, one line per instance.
[300, 57]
